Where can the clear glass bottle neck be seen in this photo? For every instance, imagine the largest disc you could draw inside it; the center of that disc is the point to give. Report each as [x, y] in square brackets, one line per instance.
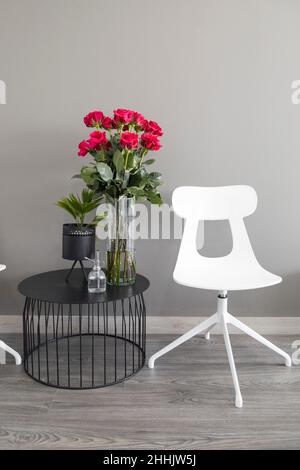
[97, 262]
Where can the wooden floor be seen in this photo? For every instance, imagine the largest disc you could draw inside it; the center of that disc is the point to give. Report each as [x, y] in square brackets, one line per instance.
[186, 402]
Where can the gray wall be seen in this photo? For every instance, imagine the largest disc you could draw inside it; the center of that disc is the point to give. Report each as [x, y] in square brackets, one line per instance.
[215, 74]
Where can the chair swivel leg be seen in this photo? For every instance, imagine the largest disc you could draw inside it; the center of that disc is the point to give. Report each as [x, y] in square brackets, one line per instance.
[207, 332]
[203, 326]
[241, 326]
[238, 396]
[5, 348]
[223, 319]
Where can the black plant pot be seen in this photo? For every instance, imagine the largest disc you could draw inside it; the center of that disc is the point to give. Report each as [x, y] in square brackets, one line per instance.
[78, 242]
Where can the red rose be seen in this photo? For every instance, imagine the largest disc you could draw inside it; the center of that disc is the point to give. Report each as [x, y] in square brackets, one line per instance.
[123, 116]
[93, 144]
[98, 141]
[93, 119]
[150, 141]
[83, 148]
[98, 136]
[140, 120]
[154, 128]
[129, 140]
[107, 122]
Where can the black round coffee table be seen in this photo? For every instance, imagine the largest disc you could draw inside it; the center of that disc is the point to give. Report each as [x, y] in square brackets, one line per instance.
[77, 340]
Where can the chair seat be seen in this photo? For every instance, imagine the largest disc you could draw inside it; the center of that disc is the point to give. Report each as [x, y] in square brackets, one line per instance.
[225, 274]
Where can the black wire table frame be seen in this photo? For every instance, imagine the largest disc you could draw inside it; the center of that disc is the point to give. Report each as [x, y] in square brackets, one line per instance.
[76, 340]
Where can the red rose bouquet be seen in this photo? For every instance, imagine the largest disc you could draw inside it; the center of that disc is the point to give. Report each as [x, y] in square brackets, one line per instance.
[119, 147]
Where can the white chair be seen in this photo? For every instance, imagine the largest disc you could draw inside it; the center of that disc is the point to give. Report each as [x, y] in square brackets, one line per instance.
[239, 270]
[4, 348]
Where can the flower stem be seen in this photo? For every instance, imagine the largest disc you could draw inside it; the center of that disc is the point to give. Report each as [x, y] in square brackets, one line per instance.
[126, 159]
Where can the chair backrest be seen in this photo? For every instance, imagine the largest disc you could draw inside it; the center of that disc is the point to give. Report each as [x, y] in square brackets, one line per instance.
[231, 203]
[219, 203]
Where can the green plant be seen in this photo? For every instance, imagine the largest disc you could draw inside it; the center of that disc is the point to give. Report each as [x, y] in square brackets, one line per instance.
[79, 206]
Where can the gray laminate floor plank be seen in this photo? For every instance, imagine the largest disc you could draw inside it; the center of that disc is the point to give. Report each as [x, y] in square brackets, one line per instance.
[186, 401]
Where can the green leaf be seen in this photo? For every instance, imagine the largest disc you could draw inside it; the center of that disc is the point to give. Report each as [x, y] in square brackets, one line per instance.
[135, 191]
[130, 162]
[155, 183]
[111, 191]
[100, 156]
[118, 161]
[135, 179]
[104, 171]
[145, 181]
[86, 195]
[98, 218]
[154, 198]
[149, 161]
[75, 203]
[88, 174]
[63, 204]
[95, 186]
[154, 175]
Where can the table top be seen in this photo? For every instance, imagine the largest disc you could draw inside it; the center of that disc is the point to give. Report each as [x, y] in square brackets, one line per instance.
[51, 287]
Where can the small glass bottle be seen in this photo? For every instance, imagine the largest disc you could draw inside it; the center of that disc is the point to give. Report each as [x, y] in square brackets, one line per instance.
[96, 278]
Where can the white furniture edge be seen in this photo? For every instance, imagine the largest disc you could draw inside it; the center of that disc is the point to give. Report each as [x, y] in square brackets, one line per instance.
[4, 348]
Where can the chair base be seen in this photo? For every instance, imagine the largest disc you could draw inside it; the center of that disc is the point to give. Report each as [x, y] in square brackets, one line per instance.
[4, 348]
[222, 317]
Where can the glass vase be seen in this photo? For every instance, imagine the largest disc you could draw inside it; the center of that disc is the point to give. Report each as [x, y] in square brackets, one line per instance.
[120, 255]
